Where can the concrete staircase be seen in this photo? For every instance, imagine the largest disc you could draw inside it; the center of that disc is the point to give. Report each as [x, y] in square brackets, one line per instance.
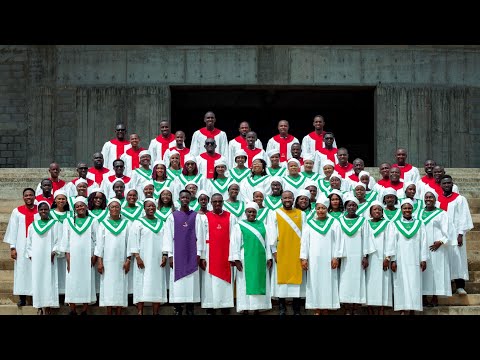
[13, 181]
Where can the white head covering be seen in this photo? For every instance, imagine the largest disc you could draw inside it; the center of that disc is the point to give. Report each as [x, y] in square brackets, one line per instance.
[294, 160]
[112, 200]
[258, 157]
[310, 182]
[362, 173]
[189, 157]
[202, 192]
[276, 178]
[158, 162]
[273, 152]
[80, 199]
[389, 191]
[323, 200]
[337, 175]
[146, 183]
[220, 161]
[360, 184]
[42, 202]
[81, 181]
[407, 184]
[251, 205]
[117, 180]
[328, 162]
[144, 152]
[233, 183]
[95, 190]
[59, 192]
[152, 200]
[166, 188]
[308, 156]
[240, 152]
[191, 183]
[302, 192]
[338, 192]
[350, 198]
[173, 152]
[406, 201]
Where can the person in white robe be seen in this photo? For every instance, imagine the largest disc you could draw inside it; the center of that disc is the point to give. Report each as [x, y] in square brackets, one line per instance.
[256, 180]
[145, 245]
[184, 241]
[131, 157]
[190, 173]
[410, 260]
[320, 249]
[115, 148]
[358, 247]
[293, 180]
[378, 277]
[16, 236]
[250, 250]
[282, 142]
[109, 180]
[220, 182]
[78, 244]
[164, 141]
[458, 212]
[239, 143]
[42, 250]
[113, 259]
[142, 174]
[209, 131]
[436, 277]
[408, 172]
[217, 278]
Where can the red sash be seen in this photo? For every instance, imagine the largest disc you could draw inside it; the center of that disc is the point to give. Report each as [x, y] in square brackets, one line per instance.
[120, 146]
[384, 183]
[396, 187]
[210, 163]
[342, 170]
[89, 182]
[41, 197]
[165, 143]
[125, 179]
[445, 200]
[318, 140]
[283, 145]
[219, 245]
[354, 177]
[29, 214]
[135, 154]
[427, 180]
[210, 134]
[251, 154]
[242, 141]
[403, 169]
[182, 153]
[98, 174]
[329, 153]
[57, 185]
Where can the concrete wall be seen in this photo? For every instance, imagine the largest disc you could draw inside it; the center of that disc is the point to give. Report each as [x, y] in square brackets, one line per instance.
[61, 102]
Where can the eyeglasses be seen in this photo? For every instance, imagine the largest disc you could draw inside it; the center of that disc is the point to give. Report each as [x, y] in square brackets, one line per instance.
[121, 130]
[83, 168]
[209, 143]
[118, 166]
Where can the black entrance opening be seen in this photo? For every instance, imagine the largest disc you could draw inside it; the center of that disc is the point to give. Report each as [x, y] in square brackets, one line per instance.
[348, 112]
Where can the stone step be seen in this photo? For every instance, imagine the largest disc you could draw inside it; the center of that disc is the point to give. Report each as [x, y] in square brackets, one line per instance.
[457, 300]
[472, 287]
[474, 275]
[6, 264]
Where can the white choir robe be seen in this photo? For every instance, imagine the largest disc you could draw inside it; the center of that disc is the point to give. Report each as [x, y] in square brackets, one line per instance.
[285, 290]
[178, 184]
[309, 145]
[211, 189]
[137, 182]
[61, 260]
[80, 281]
[109, 152]
[155, 149]
[248, 186]
[186, 289]
[436, 277]
[294, 185]
[459, 213]
[272, 144]
[127, 160]
[22, 270]
[216, 293]
[426, 188]
[197, 145]
[378, 282]
[352, 286]
[44, 273]
[71, 188]
[322, 280]
[244, 301]
[412, 175]
[202, 165]
[234, 146]
[149, 283]
[114, 252]
[407, 280]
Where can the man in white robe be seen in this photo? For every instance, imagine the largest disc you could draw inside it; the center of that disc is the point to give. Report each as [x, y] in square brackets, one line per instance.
[131, 157]
[314, 141]
[206, 160]
[115, 148]
[209, 131]
[110, 179]
[163, 142]
[408, 172]
[240, 142]
[282, 142]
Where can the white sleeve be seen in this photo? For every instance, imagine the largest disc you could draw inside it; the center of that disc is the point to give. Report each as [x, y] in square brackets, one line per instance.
[100, 243]
[223, 145]
[65, 243]
[367, 241]
[235, 244]
[38, 190]
[444, 228]
[11, 233]
[95, 228]
[200, 232]
[57, 238]
[339, 241]
[152, 149]
[305, 243]
[134, 238]
[195, 144]
[273, 229]
[168, 239]
[424, 253]
[28, 246]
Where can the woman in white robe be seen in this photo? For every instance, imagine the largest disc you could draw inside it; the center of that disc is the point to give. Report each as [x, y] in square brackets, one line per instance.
[320, 249]
[411, 255]
[254, 228]
[78, 244]
[41, 249]
[145, 245]
[113, 259]
[378, 277]
[436, 277]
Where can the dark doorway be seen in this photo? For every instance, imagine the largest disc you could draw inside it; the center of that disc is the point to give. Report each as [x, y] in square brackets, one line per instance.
[348, 112]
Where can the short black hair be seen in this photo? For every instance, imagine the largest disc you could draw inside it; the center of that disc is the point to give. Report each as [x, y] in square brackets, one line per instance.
[27, 189]
[446, 176]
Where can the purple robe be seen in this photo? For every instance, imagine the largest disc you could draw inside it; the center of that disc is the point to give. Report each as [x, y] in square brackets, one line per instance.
[185, 243]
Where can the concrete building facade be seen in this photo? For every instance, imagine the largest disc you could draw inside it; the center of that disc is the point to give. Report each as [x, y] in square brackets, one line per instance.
[62, 102]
